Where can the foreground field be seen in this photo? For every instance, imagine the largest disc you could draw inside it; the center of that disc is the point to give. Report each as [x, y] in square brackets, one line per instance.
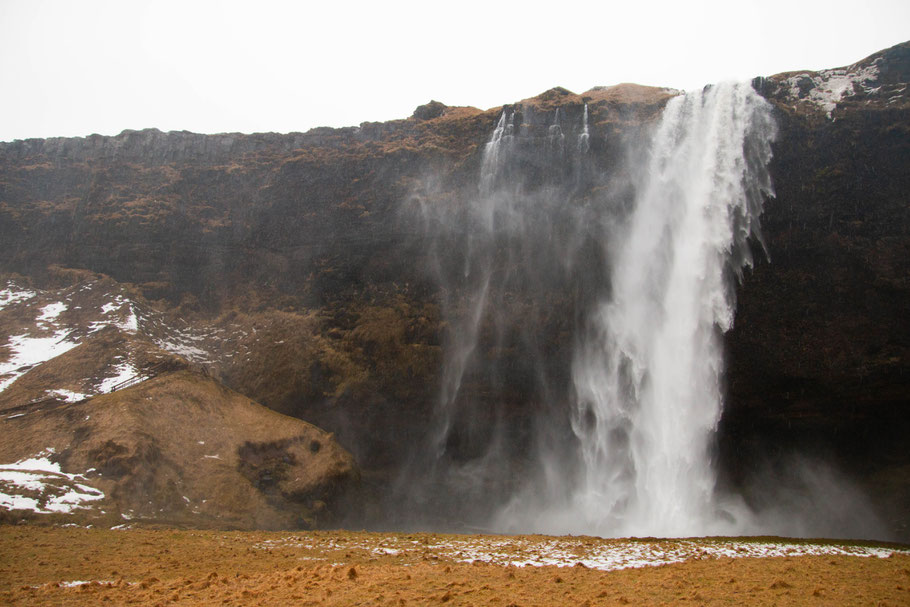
[75, 566]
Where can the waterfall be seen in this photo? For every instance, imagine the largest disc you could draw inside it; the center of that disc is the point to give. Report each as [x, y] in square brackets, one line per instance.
[583, 144]
[509, 240]
[625, 394]
[499, 141]
[647, 373]
[475, 274]
[503, 242]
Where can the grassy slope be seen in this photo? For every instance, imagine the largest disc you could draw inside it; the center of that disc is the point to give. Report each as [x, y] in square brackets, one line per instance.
[184, 449]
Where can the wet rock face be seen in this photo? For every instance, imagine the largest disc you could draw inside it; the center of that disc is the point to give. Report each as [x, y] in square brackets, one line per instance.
[312, 240]
[819, 357]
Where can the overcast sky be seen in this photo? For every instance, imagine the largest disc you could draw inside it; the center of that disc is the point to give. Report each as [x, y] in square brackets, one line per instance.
[72, 68]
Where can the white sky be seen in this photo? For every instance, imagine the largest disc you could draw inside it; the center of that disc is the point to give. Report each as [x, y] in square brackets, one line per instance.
[72, 68]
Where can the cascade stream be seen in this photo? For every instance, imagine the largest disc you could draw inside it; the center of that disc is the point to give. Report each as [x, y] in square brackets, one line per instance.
[628, 276]
[647, 373]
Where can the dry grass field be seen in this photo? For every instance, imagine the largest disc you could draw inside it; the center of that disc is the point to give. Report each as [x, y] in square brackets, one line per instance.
[77, 566]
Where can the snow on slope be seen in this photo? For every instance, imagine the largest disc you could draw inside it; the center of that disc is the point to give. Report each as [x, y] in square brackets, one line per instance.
[827, 88]
[123, 373]
[37, 484]
[26, 352]
[36, 326]
[13, 294]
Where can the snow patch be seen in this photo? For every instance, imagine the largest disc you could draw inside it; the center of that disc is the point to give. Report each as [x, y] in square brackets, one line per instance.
[73, 499]
[124, 372]
[13, 294]
[131, 324]
[51, 311]
[604, 555]
[17, 502]
[110, 307]
[80, 583]
[60, 492]
[829, 87]
[26, 352]
[40, 462]
[191, 353]
[68, 395]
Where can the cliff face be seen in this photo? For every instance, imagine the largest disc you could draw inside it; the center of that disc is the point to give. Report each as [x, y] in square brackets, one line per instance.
[311, 254]
[818, 356]
[320, 244]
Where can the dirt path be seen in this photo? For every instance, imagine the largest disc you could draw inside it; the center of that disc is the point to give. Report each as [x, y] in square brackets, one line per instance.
[46, 565]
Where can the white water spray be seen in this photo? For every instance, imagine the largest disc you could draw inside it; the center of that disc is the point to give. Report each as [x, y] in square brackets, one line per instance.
[647, 375]
[512, 213]
[484, 212]
[496, 147]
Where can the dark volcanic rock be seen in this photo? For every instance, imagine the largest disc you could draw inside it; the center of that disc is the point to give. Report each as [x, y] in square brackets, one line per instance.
[430, 110]
[819, 358]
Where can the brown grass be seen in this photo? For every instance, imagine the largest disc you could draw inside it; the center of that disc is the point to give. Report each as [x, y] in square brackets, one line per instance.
[172, 449]
[157, 567]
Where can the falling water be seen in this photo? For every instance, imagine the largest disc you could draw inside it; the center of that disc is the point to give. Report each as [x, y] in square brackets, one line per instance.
[485, 212]
[482, 211]
[621, 433]
[501, 244]
[648, 373]
[585, 300]
[509, 238]
[496, 147]
[583, 144]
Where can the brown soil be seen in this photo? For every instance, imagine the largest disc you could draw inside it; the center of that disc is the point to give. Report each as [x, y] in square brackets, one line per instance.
[157, 567]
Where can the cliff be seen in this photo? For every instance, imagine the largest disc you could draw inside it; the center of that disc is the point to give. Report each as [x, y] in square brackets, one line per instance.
[306, 265]
[818, 356]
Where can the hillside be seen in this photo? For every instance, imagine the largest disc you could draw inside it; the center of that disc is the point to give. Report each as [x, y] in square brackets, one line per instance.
[103, 426]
